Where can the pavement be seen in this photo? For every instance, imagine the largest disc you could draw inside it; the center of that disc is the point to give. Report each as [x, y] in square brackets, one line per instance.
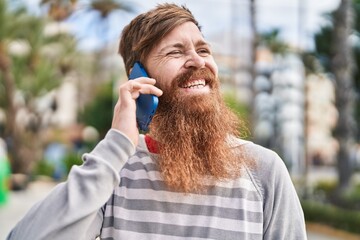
[21, 201]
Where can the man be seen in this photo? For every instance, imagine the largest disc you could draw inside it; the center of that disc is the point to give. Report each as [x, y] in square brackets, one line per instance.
[190, 177]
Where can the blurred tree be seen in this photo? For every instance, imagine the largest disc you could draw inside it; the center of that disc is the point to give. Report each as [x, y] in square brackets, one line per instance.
[338, 49]
[272, 40]
[97, 16]
[323, 50]
[341, 66]
[103, 10]
[254, 37]
[254, 48]
[59, 10]
[32, 70]
[98, 113]
[242, 111]
[7, 28]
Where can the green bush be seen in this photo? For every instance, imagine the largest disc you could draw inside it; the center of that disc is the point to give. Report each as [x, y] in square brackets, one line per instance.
[242, 111]
[326, 186]
[44, 168]
[333, 216]
[98, 113]
[326, 191]
[70, 160]
[352, 198]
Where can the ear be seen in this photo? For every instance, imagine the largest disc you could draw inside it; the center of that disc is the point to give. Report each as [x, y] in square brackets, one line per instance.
[129, 71]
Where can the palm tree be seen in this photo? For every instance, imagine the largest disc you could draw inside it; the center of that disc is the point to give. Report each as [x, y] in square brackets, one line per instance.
[33, 73]
[59, 10]
[342, 66]
[7, 80]
[101, 12]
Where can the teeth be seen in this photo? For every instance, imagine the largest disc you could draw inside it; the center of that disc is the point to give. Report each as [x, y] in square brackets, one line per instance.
[195, 84]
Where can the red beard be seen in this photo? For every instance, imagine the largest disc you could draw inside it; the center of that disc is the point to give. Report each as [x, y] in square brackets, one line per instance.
[192, 131]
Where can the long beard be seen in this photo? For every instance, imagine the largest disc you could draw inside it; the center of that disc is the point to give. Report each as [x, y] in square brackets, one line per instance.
[192, 132]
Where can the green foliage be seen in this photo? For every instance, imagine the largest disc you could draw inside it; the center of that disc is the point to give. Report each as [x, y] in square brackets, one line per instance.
[272, 41]
[106, 7]
[326, 191]
[34, 72]
[37, 80]
[323, 46]
[44, 168]
[352, 197]
[326, 186]
[356, 7]
[241, 110]
[70, 160]
[333, 216]
[2, 19]
[324, 52]
[98, 113]
[2, 94]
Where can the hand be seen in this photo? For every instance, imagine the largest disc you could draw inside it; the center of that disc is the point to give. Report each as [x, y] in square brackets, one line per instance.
[124, 118]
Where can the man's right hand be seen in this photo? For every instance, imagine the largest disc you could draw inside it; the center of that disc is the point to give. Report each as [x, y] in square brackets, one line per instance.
[124, 118]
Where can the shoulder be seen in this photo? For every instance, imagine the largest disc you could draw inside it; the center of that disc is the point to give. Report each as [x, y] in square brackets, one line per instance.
[263, 158]
[264, 167]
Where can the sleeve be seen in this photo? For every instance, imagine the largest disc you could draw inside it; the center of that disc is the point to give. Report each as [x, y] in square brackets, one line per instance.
[73, 209]
[283, 214]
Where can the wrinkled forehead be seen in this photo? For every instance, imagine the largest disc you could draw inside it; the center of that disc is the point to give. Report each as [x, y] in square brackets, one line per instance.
[186, 35]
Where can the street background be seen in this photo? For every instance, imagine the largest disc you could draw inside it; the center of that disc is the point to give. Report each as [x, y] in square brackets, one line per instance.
[288, 68]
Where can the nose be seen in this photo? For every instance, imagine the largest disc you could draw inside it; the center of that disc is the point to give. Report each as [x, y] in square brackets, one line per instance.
[194, 61]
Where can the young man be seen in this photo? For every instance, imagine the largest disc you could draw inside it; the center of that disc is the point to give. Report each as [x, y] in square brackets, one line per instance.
[190, 177]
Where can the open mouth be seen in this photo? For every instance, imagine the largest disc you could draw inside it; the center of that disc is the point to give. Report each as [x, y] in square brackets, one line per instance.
[194, 84]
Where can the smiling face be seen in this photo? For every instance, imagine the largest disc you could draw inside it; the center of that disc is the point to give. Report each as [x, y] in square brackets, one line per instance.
[192, 121]
[179, 54]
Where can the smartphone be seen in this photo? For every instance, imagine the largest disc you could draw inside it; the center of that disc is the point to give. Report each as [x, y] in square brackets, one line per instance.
[146, 104]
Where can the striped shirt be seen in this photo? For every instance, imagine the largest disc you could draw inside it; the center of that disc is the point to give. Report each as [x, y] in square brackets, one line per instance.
[119, 194]
[142, 207]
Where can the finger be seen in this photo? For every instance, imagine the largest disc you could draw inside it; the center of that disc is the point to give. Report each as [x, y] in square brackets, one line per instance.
[135, 88]
[130, 86]
[150, 89]
[145, 80]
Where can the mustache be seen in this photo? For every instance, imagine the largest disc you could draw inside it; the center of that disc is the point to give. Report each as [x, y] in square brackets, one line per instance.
[205, 73]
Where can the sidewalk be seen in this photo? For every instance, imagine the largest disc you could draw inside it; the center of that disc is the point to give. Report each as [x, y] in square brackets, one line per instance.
[20, 202]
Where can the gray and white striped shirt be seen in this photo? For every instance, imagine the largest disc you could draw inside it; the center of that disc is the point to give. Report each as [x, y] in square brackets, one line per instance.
[119, 194]
[142, 207]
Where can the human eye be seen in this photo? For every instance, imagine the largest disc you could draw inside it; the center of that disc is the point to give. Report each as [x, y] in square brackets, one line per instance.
[174, 53]
[204, 52]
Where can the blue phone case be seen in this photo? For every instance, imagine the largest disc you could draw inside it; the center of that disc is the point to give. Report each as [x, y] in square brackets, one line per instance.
[146, 104]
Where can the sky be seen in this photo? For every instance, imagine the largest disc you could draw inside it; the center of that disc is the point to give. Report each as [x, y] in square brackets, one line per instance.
[219, 17]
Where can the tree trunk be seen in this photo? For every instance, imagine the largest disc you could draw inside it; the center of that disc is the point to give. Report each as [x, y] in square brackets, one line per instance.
[341, 66]
[252, 67]
[11, 133]
[255, 38]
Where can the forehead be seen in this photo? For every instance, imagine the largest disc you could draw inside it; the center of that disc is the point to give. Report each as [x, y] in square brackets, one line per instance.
[184, 34]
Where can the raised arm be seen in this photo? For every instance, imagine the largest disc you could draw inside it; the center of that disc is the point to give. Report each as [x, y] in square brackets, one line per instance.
[73, 209]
